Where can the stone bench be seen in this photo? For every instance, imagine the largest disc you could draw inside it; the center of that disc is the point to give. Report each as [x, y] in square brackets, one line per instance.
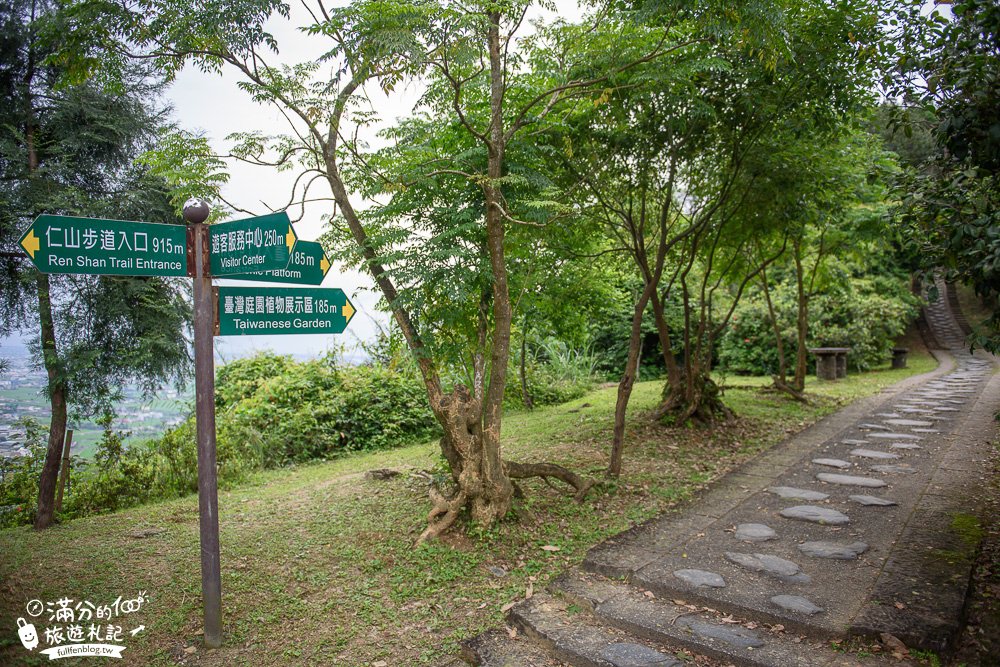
[899, 357]
[831, 362]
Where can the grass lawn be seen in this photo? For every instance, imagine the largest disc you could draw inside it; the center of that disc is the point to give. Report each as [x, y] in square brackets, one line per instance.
[317, 561]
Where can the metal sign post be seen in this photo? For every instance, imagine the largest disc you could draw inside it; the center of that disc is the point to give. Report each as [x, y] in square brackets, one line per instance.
[196, 212]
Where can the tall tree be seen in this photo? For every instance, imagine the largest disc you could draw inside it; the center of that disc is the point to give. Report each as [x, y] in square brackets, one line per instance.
[70, 150]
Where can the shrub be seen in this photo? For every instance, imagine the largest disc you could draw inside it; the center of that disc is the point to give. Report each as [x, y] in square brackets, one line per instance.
[274, 411]
[119, 476]
[864, 313]
[555, 373]
[19, 477]
[748, 346]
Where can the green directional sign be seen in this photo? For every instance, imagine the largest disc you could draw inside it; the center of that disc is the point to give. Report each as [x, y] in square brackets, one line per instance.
[64, 244]
[307, 265]
[283, 310]
[263, 243]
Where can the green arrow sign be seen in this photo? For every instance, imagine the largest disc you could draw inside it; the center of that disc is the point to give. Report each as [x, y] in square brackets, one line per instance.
[63, 244]
[283, 310]
[307, 265]
[263, 243]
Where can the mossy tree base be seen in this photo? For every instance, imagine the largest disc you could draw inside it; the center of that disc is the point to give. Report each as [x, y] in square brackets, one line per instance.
[698, 403]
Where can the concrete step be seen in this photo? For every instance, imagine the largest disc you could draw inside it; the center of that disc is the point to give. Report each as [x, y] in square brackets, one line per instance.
[497, 648]
[575, 636]
[702, 630]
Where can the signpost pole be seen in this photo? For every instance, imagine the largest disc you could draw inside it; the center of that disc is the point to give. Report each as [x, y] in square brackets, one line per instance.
[204, 363]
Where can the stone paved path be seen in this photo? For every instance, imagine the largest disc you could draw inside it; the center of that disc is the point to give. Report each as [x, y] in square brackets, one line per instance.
[861, 525]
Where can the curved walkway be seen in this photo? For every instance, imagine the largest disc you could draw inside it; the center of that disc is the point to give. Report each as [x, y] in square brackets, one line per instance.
[863, 524]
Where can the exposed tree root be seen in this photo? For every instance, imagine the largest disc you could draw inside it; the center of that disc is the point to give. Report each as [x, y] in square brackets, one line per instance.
[581, 485]
[442, 514]
[703, 408]
[445, 511]
[788, 389]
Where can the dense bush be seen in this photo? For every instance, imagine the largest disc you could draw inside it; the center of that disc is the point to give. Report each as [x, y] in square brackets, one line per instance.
[118, 477]
[272, 411]
[865, 313]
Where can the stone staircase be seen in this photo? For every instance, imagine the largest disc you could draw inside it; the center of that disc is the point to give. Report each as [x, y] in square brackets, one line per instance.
[854, 528]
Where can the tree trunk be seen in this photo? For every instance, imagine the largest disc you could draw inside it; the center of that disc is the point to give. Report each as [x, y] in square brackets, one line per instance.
[696, 400]
[779, 342]
[495, 491]
[525, 394]
[781, 379]
[627, 382]
[802, 323]
[471, 421]
[57, 400]
[663, 332]
[48, 481]
[693, 397]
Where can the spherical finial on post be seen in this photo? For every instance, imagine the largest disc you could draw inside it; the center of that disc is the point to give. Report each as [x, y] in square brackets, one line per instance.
[196, 210]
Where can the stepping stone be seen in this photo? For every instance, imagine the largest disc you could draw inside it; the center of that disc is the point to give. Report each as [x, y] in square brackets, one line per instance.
[945, 409]
[848, 480]
[821, 515]
[833, 463]
[624, 654]
[796, 603]
[798, 494]
[926, 430]
[854, 442]
[873, 454]
[873, 427]
[908, 422]
[887, 414]
[873, 501]
[895, 436]
[834, 550]
[755, 532]
[917, 411]
[735, 636]
[905, 445]
[782, 569]
[701, 578]
[891, 469]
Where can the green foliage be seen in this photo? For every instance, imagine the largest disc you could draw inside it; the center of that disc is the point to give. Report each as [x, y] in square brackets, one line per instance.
[317, 409]
[949, 208]
[867, 317]
[555, 373]
[274, 411]
[69, 147]
[748, 345]
[119, 476]
[19, 476]
[866, 313]
[271, 411]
